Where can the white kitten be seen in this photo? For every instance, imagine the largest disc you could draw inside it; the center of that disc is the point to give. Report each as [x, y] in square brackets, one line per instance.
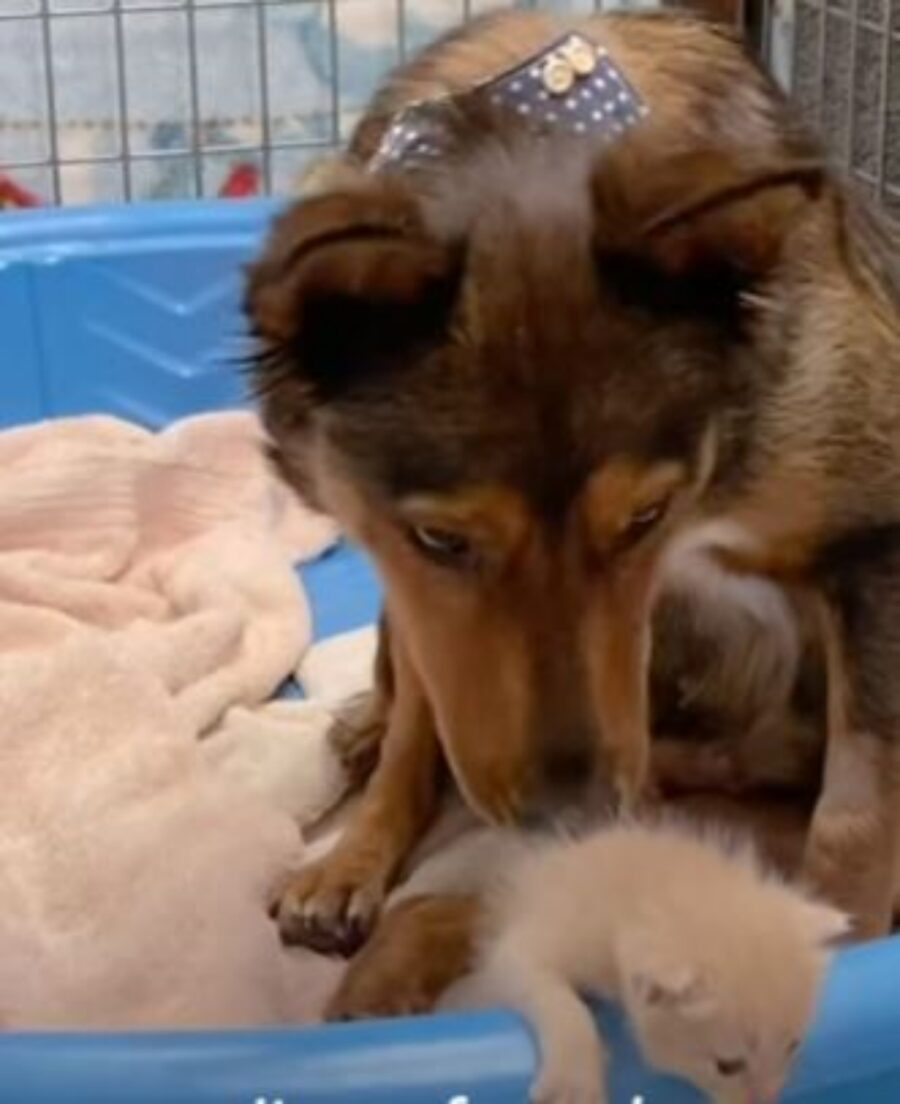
[717, 964]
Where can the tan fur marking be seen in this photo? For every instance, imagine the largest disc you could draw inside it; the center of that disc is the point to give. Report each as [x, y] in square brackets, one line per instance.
[786, 516]
[621, 489]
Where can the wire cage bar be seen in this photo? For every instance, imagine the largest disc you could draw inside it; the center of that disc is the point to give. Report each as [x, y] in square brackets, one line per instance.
[840, 59]
[138, 99]
[108, 100]
[124, 99]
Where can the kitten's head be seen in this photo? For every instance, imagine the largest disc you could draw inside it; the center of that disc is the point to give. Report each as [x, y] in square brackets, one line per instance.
[724, 1000]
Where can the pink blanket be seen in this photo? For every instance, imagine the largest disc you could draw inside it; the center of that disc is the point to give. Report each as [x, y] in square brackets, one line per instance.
[148, 609]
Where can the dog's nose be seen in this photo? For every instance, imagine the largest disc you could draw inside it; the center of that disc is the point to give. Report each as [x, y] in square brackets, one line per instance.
[573, 820]
[568, 767]
[571, 794]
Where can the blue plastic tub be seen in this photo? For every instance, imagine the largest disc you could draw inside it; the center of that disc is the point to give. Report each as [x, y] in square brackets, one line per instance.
[133, 311]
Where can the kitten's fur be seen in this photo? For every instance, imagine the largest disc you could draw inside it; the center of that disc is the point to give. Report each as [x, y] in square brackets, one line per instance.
[713, 959]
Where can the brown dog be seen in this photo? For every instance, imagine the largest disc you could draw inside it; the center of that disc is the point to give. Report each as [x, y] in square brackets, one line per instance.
[544, 381]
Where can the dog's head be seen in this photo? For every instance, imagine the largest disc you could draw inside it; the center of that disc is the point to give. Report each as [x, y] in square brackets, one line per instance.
[516, 380]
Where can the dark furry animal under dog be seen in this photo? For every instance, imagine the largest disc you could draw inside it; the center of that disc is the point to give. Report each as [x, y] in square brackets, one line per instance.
[545, 383]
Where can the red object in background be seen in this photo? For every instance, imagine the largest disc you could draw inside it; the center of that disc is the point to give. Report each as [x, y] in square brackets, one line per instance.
[242, 181]
[14, 196]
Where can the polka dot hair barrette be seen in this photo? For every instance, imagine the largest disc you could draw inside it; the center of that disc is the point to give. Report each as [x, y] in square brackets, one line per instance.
[574, 87]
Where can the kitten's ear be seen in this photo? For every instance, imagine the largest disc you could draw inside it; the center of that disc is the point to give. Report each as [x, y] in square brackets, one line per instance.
[655, 978]
[699, 228]
[348, 280]
[667, 990]
[824, 925]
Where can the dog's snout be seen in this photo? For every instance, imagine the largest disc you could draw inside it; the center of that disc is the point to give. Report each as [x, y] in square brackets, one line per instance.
[601, 804]
[572, 791]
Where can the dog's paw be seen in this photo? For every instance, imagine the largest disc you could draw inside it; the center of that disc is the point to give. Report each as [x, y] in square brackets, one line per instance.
[332, 905]
[848, 864]
[557, 1085]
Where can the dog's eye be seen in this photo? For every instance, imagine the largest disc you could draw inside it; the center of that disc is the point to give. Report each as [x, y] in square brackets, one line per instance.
[643, 521]
[730, 1067]
[443, 545]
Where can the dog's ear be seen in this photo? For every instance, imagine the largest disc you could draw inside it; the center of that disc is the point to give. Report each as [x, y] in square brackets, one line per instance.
[696, 230]
[347, 282]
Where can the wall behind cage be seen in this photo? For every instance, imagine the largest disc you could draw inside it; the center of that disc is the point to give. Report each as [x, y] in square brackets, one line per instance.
[104, 100]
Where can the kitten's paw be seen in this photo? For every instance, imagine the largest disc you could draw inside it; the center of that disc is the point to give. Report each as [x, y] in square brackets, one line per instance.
[567, 1086]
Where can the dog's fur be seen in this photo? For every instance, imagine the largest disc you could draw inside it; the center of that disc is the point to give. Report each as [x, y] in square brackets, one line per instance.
[542, 382]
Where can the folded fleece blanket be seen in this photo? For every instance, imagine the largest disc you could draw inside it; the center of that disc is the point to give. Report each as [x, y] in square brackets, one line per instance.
[151, 790]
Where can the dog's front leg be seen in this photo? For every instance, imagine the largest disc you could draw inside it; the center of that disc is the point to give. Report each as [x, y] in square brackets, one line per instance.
[853, 837]
[332, 904]
[361, 724]
[421, 946]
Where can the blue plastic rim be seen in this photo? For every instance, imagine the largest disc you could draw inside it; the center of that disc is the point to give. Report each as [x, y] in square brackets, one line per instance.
[484, 1058]
[134, 311]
